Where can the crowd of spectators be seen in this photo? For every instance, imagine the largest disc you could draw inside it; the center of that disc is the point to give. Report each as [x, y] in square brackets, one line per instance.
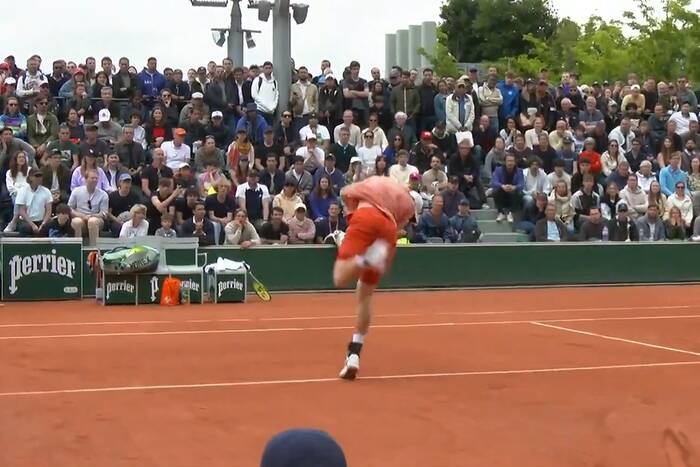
[212, 153]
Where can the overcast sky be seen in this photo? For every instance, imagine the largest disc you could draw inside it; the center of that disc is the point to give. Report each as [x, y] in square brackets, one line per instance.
[178, 34]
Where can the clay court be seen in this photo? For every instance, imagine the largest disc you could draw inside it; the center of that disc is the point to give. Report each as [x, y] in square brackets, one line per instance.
[519, 377]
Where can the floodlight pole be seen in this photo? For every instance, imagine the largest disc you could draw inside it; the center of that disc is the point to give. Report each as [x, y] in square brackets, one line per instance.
[235, 39]
[282, 50]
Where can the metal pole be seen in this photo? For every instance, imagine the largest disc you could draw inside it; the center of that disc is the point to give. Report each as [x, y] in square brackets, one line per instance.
[235, 35]
[282, 53]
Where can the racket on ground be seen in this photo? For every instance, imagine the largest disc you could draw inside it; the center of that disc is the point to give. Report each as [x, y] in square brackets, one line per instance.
[259, 288]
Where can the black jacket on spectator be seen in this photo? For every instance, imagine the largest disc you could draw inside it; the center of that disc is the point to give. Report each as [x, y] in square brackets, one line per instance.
[64, 176]
[591, 232]
[130, 154]
[548, 156]
[621, 231]
[187, 230]
[220, 133]
[195, 132]
[216, 100]
[427, 100]
[131, 109]
[331, 101]
[459, 168]
[541, 230]
[451, 201]
[447, 144]
[273, 181]
[343, 155]
[247, 92]
[181, 89]
[386, 120]
[121, 90]
[533, 214]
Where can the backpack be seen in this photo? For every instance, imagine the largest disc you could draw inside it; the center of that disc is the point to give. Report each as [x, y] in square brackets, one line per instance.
[260, 81]
[171, 292]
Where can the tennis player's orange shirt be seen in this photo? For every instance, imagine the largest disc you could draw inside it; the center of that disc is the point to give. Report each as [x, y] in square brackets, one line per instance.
[392, 208]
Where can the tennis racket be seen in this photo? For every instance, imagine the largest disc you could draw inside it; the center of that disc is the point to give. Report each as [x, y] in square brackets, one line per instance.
[259, 288]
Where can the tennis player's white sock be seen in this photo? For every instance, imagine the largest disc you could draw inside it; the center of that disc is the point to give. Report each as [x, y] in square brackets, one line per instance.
[358, 338]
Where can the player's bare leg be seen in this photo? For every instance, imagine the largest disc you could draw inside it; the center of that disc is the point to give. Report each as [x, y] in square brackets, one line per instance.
[344, 271]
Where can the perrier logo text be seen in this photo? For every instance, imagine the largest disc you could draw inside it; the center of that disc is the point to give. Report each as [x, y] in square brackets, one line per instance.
[25, 266]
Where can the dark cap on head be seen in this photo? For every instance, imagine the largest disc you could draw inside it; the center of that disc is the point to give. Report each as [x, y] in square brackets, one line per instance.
[465, 202]
[622, 207]
[303, 448]
[453, 179]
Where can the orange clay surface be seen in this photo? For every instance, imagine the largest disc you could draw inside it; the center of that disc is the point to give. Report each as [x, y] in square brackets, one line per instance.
[512, 378]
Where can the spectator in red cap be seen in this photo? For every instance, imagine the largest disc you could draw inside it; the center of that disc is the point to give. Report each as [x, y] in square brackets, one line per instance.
[423, 151]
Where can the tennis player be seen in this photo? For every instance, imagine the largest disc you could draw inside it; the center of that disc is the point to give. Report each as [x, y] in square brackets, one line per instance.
[378, 207]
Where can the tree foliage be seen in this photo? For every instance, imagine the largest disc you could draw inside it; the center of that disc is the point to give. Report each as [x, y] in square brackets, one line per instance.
[660, 38]
[480, 30]
[443, 62]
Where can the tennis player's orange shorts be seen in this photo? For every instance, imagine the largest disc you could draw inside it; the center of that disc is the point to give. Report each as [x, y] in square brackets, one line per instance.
[365, 226]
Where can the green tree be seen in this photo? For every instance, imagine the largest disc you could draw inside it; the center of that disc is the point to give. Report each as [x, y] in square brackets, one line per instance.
[556, 54]
[480, 30]
[442, 61]
[664, 46]
[602, 52]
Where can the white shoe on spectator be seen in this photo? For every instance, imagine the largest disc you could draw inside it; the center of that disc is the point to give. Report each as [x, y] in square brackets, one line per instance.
[10, 227]
[510, 217]
[501, 217]
[485, 206]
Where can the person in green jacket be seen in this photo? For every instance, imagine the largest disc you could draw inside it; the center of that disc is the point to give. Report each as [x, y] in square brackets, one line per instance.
[42, 127]
[405, 98]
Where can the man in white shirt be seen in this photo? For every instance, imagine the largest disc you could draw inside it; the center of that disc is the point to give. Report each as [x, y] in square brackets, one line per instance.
[176, 151]
[623, 134]
[536, 182]
[323, 136]
[355, 133]
[33, 203]
[402, 171]
[265, 93]
[89, 206]
[254, 199]
[683, 119]
[313, 155]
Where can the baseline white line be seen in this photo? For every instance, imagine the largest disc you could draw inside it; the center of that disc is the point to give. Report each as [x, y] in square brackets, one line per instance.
[303, 318]
[336, 328]
[90, 323]
[617, 339]
[363, 378]
[565, 310]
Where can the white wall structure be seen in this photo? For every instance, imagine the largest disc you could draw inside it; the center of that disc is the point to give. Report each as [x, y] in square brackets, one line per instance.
[389, 52]
[402, 47]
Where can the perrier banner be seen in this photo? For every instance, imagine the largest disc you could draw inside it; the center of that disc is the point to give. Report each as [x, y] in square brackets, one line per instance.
[41, 269]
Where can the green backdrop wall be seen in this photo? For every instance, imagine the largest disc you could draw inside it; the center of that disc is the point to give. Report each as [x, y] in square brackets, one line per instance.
[300, 268]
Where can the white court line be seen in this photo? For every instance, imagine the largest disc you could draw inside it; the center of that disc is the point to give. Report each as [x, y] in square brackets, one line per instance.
[334, 328]
[91, 323]
[617, 339]
[563, 310]
[387, 315]
[339, 381]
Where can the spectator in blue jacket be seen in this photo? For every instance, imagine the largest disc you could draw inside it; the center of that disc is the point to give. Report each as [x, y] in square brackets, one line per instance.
[433, 224]
[322, 197]
[672, 174]
[511, 98]
[507, 183]
[329, 170]
[463, 226]
[151, 81]
[253, 123]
